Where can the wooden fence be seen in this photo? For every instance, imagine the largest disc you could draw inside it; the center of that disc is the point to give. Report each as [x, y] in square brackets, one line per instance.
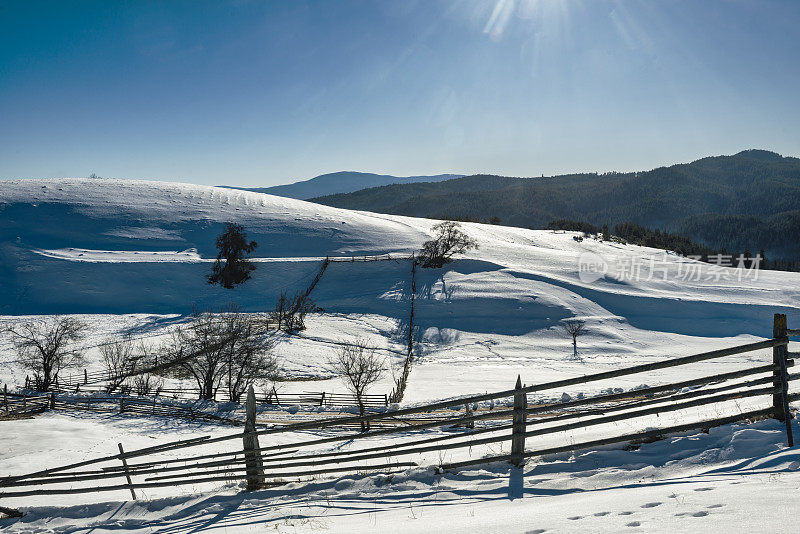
[16, 404]
[515, 422]
[367, 258]
[273, 397]
[20, 404]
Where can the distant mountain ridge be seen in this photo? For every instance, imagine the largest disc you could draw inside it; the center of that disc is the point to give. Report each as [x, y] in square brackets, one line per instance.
[342, 182]
[747, 200]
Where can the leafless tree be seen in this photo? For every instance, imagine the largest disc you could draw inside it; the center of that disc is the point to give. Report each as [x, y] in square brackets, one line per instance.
[118, 360]
[227, 348]
[290, 313]
[46, 347]
[147, 379]
[249, 356]
[449, 240]
[197, 352]
[147, 383]
[360, 368]
[574, 329]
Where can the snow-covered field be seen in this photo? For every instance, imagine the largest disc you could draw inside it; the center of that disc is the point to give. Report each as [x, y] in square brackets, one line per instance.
[130, 257]
[737, 478]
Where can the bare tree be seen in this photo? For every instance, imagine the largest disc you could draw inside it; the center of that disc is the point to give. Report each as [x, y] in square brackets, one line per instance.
[449, 240]
[146, 379]
[118, 360]
[574, 329]
[229, 348]
[198, 352]
[290, 313]
[147, 383]
[46, 347]
[249, 357]
[279, 314]
[360, 368]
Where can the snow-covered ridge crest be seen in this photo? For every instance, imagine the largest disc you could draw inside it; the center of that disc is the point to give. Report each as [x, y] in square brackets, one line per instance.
[173, 202]
[125, 246]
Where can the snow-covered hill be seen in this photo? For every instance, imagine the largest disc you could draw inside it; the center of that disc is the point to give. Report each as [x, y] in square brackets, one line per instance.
[138, 251]
[344, 182]
[140, 247]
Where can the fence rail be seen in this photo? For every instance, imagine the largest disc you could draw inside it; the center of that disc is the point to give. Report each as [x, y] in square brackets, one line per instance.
[14, 404]
[158, 466]
[378, 257]
[278, 398]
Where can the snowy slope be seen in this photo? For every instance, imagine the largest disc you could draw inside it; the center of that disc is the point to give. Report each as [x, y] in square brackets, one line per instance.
[130, 257]
[140, 247]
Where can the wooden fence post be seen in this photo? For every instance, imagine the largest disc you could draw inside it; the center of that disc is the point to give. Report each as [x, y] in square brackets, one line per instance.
[252, 456]
[780, 400]
[52, 400]
[5, 397]
[121, 404]
[125, 467]
[778, 356]
[468, 413]
[519, 424]
[85, 377]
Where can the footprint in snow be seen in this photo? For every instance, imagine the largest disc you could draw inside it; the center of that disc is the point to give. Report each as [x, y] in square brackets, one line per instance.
[703, 489]
[536, 531]
[652, 504]
[600, 514]
[716, 506]
[692, 514]
[625, 513]
[633, 524]
[575, 517]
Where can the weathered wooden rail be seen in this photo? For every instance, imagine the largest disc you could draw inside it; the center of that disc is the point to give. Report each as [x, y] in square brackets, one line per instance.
[392, 448]
[373, 257]
[274, 397]
[15, 404]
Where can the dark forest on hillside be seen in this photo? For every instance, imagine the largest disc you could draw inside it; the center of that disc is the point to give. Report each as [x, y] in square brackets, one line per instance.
[749, 201]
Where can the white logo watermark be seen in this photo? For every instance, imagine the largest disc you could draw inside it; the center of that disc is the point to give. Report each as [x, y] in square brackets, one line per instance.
[591, 267]
[716, 268]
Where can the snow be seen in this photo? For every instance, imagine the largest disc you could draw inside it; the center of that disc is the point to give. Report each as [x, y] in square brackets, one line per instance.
[738, 477]
[130, 257]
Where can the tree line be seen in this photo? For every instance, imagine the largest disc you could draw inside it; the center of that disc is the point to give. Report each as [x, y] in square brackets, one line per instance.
[746, 201]
[639, 235]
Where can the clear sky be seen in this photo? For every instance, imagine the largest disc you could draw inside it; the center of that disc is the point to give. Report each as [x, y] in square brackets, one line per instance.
[257, 93]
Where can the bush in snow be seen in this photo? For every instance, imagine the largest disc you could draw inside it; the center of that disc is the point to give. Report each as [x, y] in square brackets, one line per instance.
[449, 240]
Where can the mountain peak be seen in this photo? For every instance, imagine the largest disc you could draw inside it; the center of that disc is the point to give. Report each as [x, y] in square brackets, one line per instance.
[344, 182]
[759, 154]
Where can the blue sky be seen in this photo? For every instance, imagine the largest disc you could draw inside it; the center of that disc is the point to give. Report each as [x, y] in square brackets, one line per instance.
[260, 93]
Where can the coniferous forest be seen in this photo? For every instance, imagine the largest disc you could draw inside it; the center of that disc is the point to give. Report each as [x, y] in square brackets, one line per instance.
[748, 201]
